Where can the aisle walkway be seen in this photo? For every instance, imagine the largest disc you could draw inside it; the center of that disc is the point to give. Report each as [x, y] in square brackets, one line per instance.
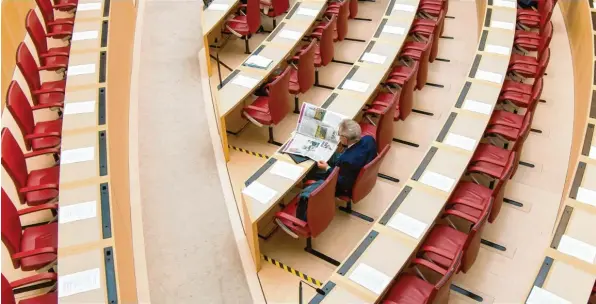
[191, 253]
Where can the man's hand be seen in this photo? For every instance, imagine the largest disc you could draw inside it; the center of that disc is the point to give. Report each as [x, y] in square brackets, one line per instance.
[322, 165]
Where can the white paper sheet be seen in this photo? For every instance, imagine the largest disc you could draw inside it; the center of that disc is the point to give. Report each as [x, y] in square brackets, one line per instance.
[77, 155]
[259, 61]
[404, 7]
[577, 248]
[79, 107]
[88, 6]
[460, 141]
[259, 192]
[477, 106]
[287, 170]
[370, 278]
[353, 85]
[396, 30]
[307, 12]
[542, 296]
[81, 69]
[78, 282]
[288, 34]
[586, 196]
[503, 3]
[77, 212]
[374, 58]
[86, 35]
[503, 25]
[592, 153]
[407, 225]
[244, 81]
[437, 180]
[497, 49]
[489, 76]
[218, 7]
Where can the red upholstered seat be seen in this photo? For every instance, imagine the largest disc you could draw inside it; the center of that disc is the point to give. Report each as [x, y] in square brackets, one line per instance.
[404, 77]
[259, 110]
[385, 98]
[57, 56]
[238, 24]
[48, 298]
[471, 199]
[40, 135]
[514, 86]
[30, 248]
[56, 28]
[507, 119]
[302, 75]
[35, 187]
[534, 41]
[276, 8]
[294, 86]
[245, 22]
[51, 92]
[409, 289]
[536, 19]
[420, 52]
[491, 154]
[297, 226]
[382, 129]
[8, 296]
[520, 96]
[333, 7]
[446, 239]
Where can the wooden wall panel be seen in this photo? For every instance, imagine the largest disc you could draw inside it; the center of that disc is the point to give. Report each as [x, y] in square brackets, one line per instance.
[120, 48]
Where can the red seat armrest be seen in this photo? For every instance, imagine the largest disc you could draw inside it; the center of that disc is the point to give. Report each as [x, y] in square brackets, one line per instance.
[430, 265]
[48, 105]
[292, 219]
[47, 91]
[42, 135]
[380, 103]
[438, 251]
[49, 206]
[33, 279]
[52, 34]
[462, 215]
[34, 252]
[373, 111]
[39, 188]
[52, 67]
[42, 152]
[57, 54]
[59, 6]
[257, 109]
[60, 22]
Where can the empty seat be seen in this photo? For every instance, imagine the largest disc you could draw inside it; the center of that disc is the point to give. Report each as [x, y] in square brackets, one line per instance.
[56, 56]
[302, 73]
[522, 95]
[378, 123]
[342, 11]
[245, 22]
[56, 28]
[30, 248]
[320, 211]
[365, 182]
[534, 41]
[274, 8]
[420, 52]
[8, 296]
[528, 18]
[404, 77]
[271, 109]
[36, 187]
[324, 48]
[529, 67]
[385, 99]
[65, 5]
[40, 135]
[431, 30]
[49, 92]
[512, 128]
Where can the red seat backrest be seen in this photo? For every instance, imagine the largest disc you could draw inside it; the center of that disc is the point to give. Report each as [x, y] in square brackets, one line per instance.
[545, 37]
[7, 293]
[543, 63]
[546, 11]
[321, 205]
[367, 178]
[280, 7]
[306, 67]
[342, 20]
[36, 32]
[47, 10]
[20, 109]
[406, 100]
[13, 161]
[29, 69]
[279, 97]
[11, 227]
[353, 8]
[253, 15]
[384, 134]
[536, 93]
[326, 42]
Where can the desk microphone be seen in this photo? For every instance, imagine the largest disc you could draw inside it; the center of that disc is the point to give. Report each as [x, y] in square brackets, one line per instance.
[318, 290]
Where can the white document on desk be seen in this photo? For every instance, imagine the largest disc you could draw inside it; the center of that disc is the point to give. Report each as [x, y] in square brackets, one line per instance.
[592, 153]
[395, 30]
[77, 212]
[88, 6]
[287, 170]
[288, 34]
[437, 180]
[259, 61]
[244, 81]
[502, 25]
[460, 141]
[307, 12]
[489, 76]
[77, 155]
[477, 106]
[586, 196]
[260, 192]
[85, 35]
[370, 278]
[497, 49]
[542, 296]
[577, 248]
[79, 107]
[81, 69]
[79, 282]
[408, 225]
[404, 7]
[374, 58]
[218, 7]
[353, 85]
[504, 3]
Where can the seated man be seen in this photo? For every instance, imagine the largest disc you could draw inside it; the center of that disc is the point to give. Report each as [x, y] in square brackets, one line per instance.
[357, 153]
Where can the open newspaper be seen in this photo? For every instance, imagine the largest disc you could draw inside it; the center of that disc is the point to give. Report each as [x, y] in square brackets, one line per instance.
[316, 133]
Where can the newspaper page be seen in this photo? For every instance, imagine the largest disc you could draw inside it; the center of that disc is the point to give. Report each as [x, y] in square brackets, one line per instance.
[316, 135]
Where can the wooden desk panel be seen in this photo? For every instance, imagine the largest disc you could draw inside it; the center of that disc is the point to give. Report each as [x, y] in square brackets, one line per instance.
[212, 18]
[87, 79]
[79, 171]
[568, 282]
[86, 44]
[72, 122]
[81, 231]
[72, 264]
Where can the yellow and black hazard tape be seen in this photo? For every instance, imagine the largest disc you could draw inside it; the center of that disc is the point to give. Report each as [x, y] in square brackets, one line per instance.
[293, 271]
[249, 152]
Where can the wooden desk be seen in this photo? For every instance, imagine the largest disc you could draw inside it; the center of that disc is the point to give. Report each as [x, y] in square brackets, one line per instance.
[88, 36]
[98, 263]
[90, 9]
[90, 229]
[336, 294]
[87, 169]
[86, 69]
[211, 18]
[84, 110]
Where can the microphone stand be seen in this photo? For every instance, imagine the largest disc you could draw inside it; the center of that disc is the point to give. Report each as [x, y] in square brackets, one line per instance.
[318, 290]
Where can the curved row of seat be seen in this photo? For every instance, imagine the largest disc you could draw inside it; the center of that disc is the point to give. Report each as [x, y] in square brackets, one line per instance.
[54, 76]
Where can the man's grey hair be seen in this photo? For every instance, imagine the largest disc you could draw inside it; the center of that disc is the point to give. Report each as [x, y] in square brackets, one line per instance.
[350, 129]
